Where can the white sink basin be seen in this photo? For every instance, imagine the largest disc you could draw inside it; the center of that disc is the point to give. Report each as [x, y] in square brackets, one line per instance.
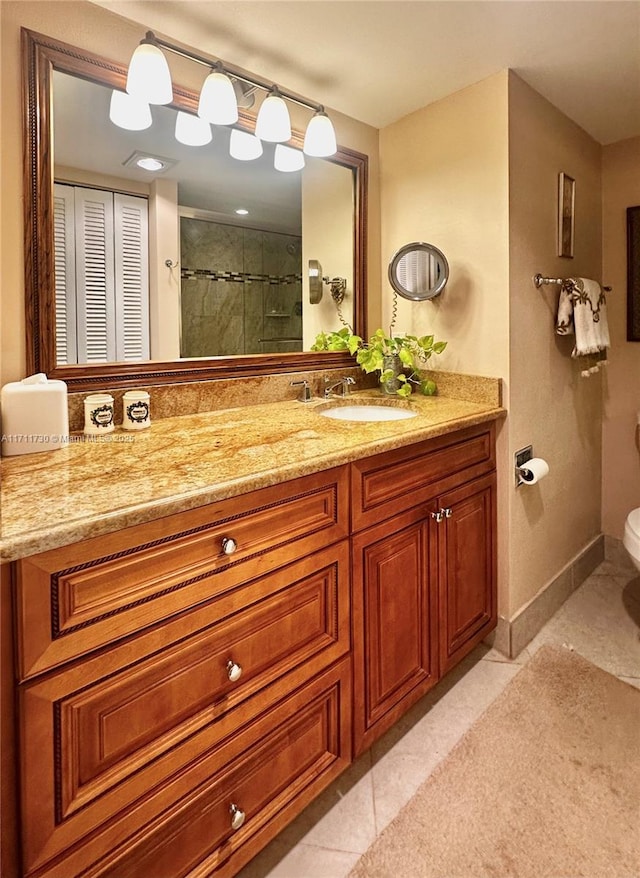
[369, 412]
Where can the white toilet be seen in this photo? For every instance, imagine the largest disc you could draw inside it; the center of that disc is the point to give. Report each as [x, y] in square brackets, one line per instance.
[631, 539]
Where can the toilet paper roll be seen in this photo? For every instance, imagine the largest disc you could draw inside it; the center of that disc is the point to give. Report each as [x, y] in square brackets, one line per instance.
[533, 470]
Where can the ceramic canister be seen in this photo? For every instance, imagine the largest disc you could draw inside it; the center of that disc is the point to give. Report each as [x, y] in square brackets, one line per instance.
[136, 414]
[98, 414]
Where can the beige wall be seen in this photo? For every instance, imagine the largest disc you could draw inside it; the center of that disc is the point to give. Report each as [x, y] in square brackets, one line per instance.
[327, 223]
[620, 457]
[444, 180]
[476, 174]
[550, 405]
[93, 28]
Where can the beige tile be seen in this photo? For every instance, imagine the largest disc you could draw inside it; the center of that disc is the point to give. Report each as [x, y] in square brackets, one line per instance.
[342, 818]
[597, 624]
[632, 681]
[616, 553]
[438, 721]
[585, 565]
[529, 622]
[396, 778]
[300, 861]
[495, 655]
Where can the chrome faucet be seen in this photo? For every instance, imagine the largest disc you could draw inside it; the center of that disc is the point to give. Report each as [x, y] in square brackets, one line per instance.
[305, 391]
[344, 383]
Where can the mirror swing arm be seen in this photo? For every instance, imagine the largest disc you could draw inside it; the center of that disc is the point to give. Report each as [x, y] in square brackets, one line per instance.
[40, 56]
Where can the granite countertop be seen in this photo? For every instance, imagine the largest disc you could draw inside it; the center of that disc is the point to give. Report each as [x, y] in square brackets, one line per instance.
[95, 486]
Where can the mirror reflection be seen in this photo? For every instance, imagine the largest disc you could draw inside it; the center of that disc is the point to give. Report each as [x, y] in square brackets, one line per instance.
[418, 271]
[200, 257]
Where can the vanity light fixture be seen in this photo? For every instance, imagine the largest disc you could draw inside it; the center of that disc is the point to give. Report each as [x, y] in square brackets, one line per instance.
[273, 123]
[149, 78]
[320, 137]
[287, 159]
[224, 89]
[218, 103]
[192, 130]
[127, 111]
[244, 146]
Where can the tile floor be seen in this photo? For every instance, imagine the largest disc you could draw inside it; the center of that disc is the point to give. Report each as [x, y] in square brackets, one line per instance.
[601, 621]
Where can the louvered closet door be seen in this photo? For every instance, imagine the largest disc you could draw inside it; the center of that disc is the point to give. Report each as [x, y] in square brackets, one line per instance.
[95, 276]
[65, 274]
[131, 277]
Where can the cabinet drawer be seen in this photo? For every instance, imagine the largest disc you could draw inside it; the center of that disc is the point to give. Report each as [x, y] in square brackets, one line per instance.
[281, 764]
[120, 729]
[270, 769]
[389, 483]
[76, 599]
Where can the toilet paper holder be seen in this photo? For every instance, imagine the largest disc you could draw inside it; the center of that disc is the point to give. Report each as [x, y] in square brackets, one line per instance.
[524, 474]
[521, 457]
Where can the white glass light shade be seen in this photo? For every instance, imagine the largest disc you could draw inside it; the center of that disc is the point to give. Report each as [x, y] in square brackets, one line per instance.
[244, 146]
[320, 137]
[129, 112]
[149, 78]
[273, 123]
[192, 130]
[218, 103]
[287, 159]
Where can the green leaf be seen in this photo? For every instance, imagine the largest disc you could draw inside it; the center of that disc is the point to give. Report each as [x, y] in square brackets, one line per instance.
[406, 357]
[369, 360]
[439, 346]
[428, 387]
[404, 391]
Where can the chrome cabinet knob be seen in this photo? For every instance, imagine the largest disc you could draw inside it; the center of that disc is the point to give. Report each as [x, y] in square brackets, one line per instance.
[229, 545]
[237, 816]
[234, 671]
[447, 512]
[437, 515]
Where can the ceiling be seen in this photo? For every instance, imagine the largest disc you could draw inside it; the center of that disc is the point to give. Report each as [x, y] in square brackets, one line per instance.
[377, 60]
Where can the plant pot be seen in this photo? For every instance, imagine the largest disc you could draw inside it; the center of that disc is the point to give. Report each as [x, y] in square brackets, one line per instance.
[394, 364]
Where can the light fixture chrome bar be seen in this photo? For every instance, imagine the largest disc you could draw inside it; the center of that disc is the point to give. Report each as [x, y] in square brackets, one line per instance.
[150, 37]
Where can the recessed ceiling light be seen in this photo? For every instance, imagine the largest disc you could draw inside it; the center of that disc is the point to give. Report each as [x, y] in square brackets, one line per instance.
[149, 162]
[242, 212]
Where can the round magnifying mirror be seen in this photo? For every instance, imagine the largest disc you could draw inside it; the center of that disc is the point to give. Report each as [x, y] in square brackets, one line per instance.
[315, 281]
[418, 271]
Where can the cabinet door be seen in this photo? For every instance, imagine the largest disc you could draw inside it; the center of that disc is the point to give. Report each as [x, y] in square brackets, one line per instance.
[467, 550]
[395, 636]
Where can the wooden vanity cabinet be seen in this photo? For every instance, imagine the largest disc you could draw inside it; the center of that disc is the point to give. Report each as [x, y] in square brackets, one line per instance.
[395, 619]
[181, 697]
[179, 703]
[424, 577]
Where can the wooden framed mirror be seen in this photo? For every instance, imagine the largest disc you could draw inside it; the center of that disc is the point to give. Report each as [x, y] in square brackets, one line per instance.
[44, 58]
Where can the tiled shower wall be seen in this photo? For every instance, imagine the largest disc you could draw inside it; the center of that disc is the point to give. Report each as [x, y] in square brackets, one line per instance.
[241, 290]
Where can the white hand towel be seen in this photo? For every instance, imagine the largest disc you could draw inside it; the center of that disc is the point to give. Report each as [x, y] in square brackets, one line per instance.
[589, 318]
[582, 309]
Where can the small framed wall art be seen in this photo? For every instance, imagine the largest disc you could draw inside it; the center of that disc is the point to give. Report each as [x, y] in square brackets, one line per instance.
[566, 214]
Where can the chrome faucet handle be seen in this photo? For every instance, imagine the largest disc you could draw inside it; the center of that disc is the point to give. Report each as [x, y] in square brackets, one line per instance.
[305, 392]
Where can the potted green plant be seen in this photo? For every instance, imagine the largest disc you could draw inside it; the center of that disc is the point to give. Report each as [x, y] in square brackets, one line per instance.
[397, 358]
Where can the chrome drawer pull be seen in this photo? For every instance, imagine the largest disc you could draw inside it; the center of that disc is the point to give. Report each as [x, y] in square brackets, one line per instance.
[229, 545]
[234, 671]
[237, 816]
